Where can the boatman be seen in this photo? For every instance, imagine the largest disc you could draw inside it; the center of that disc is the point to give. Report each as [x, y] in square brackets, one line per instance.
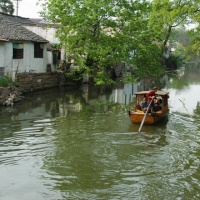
[151, 95]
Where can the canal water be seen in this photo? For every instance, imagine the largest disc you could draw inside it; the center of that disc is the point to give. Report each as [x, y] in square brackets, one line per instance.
[78, 143]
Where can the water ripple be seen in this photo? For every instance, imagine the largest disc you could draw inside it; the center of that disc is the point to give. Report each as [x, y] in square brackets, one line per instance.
[27, 142]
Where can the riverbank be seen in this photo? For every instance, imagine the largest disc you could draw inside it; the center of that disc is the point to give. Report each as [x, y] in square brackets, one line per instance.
[9, 96]
[30, 82]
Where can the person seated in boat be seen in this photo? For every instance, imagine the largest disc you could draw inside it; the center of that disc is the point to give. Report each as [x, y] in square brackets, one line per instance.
[144, 104]
[157, 105]
[151, 95]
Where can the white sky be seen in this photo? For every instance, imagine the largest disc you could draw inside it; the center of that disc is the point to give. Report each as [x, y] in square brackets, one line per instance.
[27, 8]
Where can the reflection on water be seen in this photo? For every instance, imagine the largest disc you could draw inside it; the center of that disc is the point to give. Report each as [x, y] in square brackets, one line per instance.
[184, 91]
[79, 143]
[186, 100]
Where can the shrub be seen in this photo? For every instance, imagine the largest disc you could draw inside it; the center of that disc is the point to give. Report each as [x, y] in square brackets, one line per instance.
[6, 81]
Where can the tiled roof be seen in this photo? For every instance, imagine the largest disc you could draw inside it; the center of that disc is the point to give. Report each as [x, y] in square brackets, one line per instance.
[3, 39]
[36, 20]
[13, 28]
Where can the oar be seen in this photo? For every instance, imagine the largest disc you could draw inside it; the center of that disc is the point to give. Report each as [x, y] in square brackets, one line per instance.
[145, 115]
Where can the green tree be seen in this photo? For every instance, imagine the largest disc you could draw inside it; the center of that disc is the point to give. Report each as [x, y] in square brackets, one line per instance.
[98, 34]
[6, 6]
[195, 32]
[168, 15]
[180, 35]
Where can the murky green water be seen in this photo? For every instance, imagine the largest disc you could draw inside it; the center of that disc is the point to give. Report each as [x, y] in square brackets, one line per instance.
[79, 144]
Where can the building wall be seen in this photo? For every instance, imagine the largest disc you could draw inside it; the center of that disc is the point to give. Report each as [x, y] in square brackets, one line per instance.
[50, 61]
[2, 54]
[45, 32]
[50, 35]
[27, 64]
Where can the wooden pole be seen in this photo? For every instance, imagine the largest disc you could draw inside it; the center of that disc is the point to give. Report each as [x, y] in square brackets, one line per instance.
[145, 115]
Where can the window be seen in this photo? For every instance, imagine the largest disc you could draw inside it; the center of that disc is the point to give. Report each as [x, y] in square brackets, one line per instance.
[18, 51]
[38, 50]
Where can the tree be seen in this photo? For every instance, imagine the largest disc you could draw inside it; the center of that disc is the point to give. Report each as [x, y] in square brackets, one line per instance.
[180, 35]
[195, 32]
[6, 6]
[98, 34]
[168, 15]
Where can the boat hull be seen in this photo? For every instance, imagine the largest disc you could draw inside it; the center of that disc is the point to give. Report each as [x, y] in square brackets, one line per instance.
[151, 118]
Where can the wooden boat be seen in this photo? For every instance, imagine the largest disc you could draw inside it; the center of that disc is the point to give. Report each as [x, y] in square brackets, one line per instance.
[137, 115]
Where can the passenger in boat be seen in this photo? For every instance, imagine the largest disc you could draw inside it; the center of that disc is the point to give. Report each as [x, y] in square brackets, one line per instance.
[151, 95]
[144, 104]
[157, 104]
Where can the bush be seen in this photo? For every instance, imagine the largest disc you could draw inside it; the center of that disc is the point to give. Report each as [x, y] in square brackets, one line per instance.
[75, 75]
[6, 81]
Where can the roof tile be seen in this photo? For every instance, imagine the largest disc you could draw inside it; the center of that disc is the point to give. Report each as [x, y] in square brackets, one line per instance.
[12, 28]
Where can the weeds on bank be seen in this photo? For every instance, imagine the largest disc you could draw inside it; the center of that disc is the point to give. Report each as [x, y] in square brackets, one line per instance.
[6, 81]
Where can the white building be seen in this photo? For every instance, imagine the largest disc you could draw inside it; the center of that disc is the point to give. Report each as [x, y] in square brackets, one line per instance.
[22, 49]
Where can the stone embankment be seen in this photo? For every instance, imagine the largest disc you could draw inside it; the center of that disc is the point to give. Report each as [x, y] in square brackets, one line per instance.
[29, 82]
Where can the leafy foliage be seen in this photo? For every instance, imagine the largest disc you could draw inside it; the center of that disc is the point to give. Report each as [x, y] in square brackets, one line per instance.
[168, 15]
[100, 34]
[97, 34]
[6, 81]
[6, 6]
[75, 75]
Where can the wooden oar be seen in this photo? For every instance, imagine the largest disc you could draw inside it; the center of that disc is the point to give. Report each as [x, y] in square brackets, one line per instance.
[145, 115]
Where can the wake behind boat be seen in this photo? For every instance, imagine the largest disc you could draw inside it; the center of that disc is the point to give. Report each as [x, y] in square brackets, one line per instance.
[138, 114]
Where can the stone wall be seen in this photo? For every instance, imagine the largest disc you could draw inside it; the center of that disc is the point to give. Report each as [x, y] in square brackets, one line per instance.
[29, 82]
[39, 81]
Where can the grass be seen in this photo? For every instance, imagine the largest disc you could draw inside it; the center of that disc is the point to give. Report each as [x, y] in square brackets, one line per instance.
[6, 81]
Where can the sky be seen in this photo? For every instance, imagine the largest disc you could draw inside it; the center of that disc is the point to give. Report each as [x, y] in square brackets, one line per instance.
[30, 9]
[27, 8]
